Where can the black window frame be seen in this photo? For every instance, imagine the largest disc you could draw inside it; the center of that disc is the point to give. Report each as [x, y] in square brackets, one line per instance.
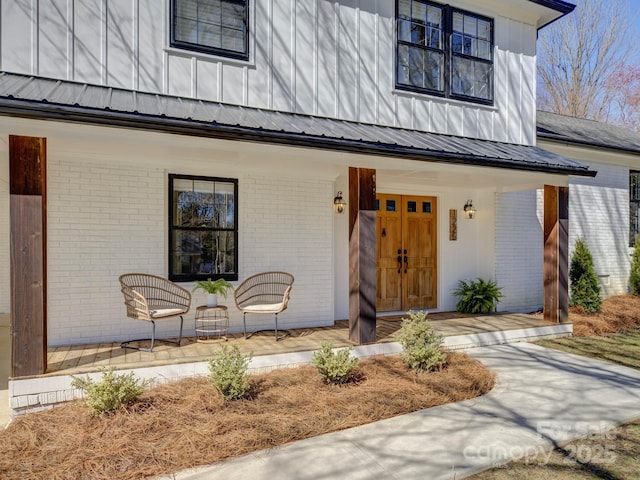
[634, 206]
[448, 54]
[171, 228]
[196, 47]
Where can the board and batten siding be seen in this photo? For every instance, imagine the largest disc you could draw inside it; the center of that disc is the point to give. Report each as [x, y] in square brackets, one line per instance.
[319, 57]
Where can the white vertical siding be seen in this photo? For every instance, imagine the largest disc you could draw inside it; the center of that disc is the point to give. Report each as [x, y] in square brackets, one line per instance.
[87, 45]
[309, 56]
[19, 38]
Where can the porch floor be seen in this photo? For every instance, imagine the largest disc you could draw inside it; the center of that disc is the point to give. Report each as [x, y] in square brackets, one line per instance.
[75, 359]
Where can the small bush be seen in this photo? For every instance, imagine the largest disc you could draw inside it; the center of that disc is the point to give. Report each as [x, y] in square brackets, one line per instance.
[585, 290]
[421, 345]
[634, 276]
[110, 393]
[228, 372]
[481, 296]
[334, 367]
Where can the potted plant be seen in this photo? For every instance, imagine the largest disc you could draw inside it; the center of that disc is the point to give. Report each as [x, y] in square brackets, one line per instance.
[213, 288]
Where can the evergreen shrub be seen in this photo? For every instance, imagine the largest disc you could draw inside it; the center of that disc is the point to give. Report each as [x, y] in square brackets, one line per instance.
[111, 392]
[334, 367]
[421, 344]
[584, 289]
[228, 372]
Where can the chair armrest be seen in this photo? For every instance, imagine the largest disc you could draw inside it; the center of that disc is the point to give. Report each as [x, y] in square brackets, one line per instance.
[137, 306]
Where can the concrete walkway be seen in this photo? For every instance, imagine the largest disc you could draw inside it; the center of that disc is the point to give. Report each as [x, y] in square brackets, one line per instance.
[542, 397]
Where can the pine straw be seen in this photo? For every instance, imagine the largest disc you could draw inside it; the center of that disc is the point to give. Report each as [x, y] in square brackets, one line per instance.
[186, 423]
[618, 314]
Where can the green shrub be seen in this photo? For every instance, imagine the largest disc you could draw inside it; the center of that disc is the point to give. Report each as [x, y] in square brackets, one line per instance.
[585, 290]
[228, 372]
[481, 296]
[421, 345]
[634, 276]
[110, 393]
[334, 367]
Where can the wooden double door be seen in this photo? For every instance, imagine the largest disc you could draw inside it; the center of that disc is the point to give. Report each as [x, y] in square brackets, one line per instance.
[406, 252]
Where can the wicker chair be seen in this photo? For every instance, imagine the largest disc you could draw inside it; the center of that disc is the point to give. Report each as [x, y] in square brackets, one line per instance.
[266, 292]
[151, 298]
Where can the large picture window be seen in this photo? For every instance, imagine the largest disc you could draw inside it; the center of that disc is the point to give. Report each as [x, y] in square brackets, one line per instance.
[444, 51]
[634, 206]
[203, 228]
[219, 27]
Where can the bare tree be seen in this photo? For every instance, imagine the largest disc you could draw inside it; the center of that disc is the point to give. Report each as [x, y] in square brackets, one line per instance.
[577, 56]
[624, 86]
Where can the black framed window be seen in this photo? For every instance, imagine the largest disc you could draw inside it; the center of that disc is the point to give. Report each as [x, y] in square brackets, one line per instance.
[219, 27]
[634, 206]
[203, 228]
[444, 51]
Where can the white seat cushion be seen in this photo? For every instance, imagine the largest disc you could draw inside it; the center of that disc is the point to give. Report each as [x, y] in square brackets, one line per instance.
[165, 312]
[263, 308]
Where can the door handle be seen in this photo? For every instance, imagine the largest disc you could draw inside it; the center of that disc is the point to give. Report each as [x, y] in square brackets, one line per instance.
[399, 263]
[406, 262]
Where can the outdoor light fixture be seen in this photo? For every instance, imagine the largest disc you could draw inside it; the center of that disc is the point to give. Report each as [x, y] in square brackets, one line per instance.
[469, 210]
[339, 203]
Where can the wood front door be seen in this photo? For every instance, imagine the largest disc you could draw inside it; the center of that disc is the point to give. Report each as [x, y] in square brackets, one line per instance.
[406, 252]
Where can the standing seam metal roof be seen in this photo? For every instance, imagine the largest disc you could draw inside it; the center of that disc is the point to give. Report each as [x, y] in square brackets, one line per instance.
[37, 97]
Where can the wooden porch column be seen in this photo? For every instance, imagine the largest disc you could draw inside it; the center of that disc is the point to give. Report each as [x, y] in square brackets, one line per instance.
[556, 254]
[27, 173]
[362, 255]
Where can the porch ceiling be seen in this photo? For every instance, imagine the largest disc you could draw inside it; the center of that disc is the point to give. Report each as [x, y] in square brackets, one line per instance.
[40, 98]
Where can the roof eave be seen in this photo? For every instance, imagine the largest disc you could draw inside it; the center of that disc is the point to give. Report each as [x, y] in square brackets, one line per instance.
[564, 8]
[75, 114]
[583, 143]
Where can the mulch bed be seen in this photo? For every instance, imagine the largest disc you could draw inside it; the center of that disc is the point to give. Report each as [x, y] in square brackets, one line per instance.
[186, 423]
[618, 314]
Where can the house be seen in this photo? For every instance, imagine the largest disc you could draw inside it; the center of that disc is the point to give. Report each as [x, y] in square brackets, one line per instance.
[602, 209]
[214, 138]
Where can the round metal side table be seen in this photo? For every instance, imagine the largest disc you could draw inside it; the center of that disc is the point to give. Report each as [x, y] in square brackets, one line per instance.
[212, 323]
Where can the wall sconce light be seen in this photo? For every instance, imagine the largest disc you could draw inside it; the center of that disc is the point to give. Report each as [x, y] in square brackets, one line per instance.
[339, 203]
[469, 210]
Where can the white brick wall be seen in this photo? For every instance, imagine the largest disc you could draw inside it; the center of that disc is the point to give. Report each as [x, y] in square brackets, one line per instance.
[519, 246]
[599, 212]
[288, 225]
[4, 252]
[105, 220]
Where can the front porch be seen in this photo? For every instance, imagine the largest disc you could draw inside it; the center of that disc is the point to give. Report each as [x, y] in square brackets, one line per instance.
[459, 330]
[167, 362]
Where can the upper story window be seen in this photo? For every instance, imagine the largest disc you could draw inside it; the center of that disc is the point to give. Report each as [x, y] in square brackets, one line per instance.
[203, 228]
[219, 27]
[444, 51]
[634, 206]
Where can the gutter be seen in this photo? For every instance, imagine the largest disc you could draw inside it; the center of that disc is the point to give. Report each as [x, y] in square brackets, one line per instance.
[565, 8]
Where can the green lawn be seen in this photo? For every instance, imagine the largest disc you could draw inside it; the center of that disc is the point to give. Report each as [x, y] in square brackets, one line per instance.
[614, 456]
[622, 348]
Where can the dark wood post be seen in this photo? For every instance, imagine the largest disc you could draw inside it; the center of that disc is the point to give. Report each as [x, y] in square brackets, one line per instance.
[362, 255]
[28, 173]
[556, 254]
